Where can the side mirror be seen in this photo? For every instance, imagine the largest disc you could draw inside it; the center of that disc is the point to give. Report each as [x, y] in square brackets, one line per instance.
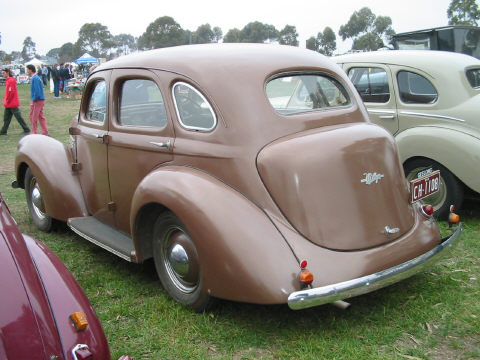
[74, 131]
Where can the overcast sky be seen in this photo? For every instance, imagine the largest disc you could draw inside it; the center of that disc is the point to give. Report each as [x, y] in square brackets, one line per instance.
[54, 23]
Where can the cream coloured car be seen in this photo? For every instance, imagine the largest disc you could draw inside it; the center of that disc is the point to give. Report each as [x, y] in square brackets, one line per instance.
[430, 102]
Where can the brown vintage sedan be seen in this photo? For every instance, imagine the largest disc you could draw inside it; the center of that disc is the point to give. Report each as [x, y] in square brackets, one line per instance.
[247, 172]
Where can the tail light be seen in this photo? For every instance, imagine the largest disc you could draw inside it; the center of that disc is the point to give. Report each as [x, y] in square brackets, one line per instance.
[427, 210]
[305, 277]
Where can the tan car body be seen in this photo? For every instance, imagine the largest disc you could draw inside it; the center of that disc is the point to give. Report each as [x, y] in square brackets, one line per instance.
[257, 194]
[446, 130]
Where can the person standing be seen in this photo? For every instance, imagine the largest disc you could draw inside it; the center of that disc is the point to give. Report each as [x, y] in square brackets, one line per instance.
[56, 80]
[38, 101]
[12, 104]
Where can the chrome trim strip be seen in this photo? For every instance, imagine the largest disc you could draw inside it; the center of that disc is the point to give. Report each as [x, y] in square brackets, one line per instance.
[381, 111]
[326, 294]
[431, 115]
[102, 245]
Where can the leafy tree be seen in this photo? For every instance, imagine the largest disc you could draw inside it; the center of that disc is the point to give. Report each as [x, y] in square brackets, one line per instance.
[29, 49]
[311, 43]
[125, 44]
[66, 53]
[203, 35]
[325, 42]
[163, 32]
[233, 36]
[463, 12]
[3, 55]
[367, 30]
[53, 53]
[288, 36]
[257, 32]
[95, 39]
[217, 33]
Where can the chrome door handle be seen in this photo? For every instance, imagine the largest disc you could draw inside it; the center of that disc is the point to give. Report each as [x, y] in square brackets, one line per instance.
[387, 117]
[165, 145]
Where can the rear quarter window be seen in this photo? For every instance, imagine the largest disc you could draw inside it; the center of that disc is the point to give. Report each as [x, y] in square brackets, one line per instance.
[298, 93]
[415, 89]
[473, 77]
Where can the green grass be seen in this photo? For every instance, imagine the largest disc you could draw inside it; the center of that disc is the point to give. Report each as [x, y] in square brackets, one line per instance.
[434, 315]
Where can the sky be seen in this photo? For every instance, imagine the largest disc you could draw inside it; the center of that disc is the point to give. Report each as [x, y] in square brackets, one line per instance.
[51, 24]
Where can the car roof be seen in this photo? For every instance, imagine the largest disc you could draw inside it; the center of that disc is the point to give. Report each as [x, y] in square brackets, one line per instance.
[434, 61]
[196, 61]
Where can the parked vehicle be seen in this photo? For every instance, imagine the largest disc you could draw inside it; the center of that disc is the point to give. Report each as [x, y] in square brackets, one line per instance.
[430, 101]
[44, 312]
[233, 166]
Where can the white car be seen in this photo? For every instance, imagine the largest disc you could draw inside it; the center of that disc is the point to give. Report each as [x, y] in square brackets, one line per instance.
[430, 102]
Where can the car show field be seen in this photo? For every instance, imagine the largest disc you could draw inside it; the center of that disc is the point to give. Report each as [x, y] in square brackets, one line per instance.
[434, 314]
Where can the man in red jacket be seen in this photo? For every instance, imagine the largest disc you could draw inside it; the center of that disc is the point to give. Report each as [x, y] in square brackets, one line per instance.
[11, 104]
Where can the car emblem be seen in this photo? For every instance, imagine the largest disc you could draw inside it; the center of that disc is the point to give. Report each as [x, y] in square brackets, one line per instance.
[371, 178]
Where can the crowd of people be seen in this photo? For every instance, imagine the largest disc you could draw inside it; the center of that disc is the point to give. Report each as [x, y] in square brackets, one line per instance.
[59, 74]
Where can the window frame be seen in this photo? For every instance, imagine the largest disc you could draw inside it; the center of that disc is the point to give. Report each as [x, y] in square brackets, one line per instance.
[198, 92]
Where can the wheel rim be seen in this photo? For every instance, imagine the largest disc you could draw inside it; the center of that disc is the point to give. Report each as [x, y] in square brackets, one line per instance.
[37, 202]
[180, 260]
[437, 199]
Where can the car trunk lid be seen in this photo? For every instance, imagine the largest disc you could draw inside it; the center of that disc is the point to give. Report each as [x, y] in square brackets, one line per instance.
[342, 187]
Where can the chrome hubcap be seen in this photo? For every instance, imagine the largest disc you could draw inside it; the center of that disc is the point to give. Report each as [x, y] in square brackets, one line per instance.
[181, 260]
[37, 202]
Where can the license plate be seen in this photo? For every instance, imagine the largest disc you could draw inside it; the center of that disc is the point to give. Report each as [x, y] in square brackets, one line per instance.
[424, 186]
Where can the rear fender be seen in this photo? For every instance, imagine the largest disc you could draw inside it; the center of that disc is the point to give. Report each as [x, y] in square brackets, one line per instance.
[455, 150]
[51, 162]
[242, 254]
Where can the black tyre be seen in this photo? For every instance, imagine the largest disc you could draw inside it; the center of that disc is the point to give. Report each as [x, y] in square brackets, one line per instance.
[177, 263]
[451, 189]
[35, 203]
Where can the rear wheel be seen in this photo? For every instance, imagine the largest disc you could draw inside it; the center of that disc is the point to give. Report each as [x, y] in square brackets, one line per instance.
[177, 263]
[35, 203]
[451, 189]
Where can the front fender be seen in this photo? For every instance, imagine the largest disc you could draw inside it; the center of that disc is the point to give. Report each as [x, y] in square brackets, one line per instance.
[51, 162]
[243, 255]
[457, 151]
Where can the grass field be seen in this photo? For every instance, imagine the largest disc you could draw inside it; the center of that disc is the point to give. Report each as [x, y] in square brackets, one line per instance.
[433, 315]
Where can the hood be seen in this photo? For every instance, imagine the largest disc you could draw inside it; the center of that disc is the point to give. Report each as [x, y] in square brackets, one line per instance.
[340, 187]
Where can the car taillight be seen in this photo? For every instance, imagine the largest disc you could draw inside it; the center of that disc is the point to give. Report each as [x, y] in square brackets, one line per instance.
[79, 320]
[427, 210]
[305, 277]
[453, 219]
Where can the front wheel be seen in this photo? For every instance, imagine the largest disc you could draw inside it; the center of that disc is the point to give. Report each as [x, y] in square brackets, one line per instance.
[451, 189]
[177, 263]
[35, 203]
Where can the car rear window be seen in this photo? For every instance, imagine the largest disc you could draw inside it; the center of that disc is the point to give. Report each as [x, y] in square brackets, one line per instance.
[415, 89]
[473, 76]
[193, 110]
[299, 93]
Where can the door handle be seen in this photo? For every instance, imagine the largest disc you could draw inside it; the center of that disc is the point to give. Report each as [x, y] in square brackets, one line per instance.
[387, 117]
[165, 145]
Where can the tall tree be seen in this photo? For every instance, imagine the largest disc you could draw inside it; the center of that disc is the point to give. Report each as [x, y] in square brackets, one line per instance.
[257, 32]
[66, 53]
[125, 44]
[288, 36]
[218, 34]
[163, 32]
[463, 12]
[28, 50]
[368, 31]
[233, 36]
[95, 39]
[325, 42]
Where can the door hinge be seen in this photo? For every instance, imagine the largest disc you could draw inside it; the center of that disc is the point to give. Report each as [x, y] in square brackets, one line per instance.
[112, 206]
[76, 166]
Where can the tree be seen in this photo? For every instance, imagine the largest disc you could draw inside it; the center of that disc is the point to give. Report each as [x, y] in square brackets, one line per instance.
[218, 34]
[325, 42]
[28, 50]
[125, 44]
[257, 32]
[203, 35]
[233, 36]
[95, 39]
[463, 12]
[53, 53]
[288, 36]
[163, 32]
[66, 53]
[367, 30]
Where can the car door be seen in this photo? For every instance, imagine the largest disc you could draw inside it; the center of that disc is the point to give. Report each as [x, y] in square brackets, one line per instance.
[374, 83]
[140, 136]
[91, 147]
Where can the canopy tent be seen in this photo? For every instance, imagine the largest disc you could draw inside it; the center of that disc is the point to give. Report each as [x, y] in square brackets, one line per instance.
[86, 59]
[35, 62]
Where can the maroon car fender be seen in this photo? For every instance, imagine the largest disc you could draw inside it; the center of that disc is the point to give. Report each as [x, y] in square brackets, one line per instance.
[51, 163]
[67, 298]
[242, 254]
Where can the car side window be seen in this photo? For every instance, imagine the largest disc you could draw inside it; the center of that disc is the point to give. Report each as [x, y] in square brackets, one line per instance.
[371, 83]
[97, 103]
[141, 104]
[193, 109]
[473, 77]
[415, 89]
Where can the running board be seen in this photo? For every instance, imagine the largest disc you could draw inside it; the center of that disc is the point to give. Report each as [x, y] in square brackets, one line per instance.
[108, 238]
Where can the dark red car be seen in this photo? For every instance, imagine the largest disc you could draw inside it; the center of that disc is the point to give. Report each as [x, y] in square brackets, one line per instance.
[44, 312]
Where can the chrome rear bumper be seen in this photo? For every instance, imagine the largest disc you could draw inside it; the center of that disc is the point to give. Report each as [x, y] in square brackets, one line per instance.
[326, 294]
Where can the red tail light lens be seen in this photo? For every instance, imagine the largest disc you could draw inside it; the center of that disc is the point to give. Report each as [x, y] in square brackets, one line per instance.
[427, 209]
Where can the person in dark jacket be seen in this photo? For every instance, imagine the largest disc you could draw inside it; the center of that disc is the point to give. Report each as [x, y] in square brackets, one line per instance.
[12, 104]
[56, 80]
